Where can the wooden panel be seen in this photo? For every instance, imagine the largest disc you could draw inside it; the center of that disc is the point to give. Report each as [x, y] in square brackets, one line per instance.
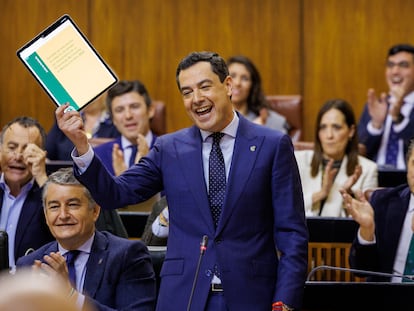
[318, 49]
[146, 39]
[20, 21]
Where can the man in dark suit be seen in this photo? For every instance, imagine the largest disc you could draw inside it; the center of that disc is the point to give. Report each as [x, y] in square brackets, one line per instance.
[129, 105]
[23, 172]
[386, 225]
[389, 118]
[257, 249]
[111, 273]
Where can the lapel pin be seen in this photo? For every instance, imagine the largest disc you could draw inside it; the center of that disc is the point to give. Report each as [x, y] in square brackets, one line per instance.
[252, 148]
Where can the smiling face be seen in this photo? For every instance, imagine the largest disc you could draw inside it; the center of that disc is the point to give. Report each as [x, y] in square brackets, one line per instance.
[131, 115]
[206, 99]
[242, 84]
[334, 134]
[15, 140]
[399, 72]
[69, 216]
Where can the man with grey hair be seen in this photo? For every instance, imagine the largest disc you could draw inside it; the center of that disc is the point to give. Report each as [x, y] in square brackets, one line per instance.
[106, 269]
[23, 172]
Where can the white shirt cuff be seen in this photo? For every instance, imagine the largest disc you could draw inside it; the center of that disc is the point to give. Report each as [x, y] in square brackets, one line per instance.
[82, 162]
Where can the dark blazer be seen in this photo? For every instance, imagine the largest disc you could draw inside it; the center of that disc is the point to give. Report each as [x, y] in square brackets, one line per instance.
[373, 142]
[104, 152]
[390, 206]
[119, 273]
[263, 207]
[32, 231]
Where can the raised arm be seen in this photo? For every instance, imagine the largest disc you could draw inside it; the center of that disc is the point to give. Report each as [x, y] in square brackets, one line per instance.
[71, 123]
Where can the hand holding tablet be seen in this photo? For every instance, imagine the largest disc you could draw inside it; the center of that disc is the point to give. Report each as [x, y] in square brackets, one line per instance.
[66, 65]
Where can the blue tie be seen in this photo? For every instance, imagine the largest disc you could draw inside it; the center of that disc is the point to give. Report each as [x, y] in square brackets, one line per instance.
[133, 155]
[392, 148]
[70, 262]
[217, 178]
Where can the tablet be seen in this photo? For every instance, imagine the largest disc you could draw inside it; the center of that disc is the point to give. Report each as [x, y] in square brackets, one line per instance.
[66, 65]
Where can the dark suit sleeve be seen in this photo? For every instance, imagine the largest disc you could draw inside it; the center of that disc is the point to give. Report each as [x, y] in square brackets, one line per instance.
[365, 257]
[135, 185]
[390, 211]
[128, 282]
[291, 233]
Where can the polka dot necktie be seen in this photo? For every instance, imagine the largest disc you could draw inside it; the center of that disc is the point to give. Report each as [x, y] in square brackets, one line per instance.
[70, 262]
[392, 148]
[217, 178]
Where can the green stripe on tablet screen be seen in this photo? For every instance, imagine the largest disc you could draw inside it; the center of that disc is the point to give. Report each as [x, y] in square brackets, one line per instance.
[49, 80]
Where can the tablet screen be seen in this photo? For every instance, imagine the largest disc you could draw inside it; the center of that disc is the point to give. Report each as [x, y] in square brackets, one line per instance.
[66, 65]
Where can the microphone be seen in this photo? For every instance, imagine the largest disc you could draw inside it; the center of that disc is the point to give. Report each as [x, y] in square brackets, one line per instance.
[4, 250]
[203, 247]
[367, 272]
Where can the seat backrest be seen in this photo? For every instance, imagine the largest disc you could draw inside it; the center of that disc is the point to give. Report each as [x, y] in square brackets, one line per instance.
[159, 122]
[333, 254]
[289, 106]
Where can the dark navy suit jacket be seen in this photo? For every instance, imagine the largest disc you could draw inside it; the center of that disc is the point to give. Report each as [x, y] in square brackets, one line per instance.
[263, 209]
[119, 273]
[104, 152]
[32, 231]
[390, 206]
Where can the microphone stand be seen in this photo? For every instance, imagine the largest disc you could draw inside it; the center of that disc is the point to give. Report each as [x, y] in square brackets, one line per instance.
[203, 247]
[371, 273]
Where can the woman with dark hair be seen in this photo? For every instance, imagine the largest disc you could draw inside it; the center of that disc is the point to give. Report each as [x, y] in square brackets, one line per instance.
[334, 163]
[248, 97]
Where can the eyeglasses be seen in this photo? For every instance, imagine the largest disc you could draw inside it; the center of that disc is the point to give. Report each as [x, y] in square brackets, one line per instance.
[400, 65]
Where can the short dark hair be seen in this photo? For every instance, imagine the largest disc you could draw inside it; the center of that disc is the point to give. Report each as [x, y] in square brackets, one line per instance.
[25, 122]
[126, 86]
[218, 65]
[403, 47]
[256, 99]
[409, 150]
